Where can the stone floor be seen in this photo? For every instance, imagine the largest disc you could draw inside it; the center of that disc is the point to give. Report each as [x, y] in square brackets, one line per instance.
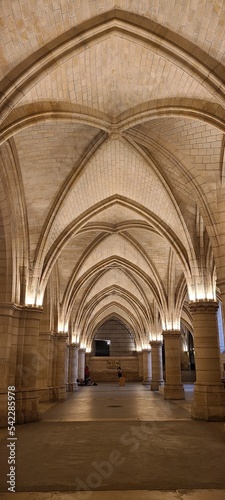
[117, 443]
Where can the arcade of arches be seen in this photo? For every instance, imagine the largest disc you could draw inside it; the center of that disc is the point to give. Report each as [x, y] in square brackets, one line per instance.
[112, 197]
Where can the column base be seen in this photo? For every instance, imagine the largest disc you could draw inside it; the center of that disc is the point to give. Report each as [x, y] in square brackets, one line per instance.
[155, 385]
[59, 393]
[174, 391]
[72, 387]
[45, 394]
[146, 381]
[208, 403]
[161, 389]
[27, 405]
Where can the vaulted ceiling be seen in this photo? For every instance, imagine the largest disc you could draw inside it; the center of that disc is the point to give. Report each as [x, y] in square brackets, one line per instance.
[112, 147]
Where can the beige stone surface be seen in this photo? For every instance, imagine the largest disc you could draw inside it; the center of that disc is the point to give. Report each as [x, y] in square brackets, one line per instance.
[111, 183]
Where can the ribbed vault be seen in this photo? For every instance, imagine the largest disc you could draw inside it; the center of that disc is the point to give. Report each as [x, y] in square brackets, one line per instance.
[112, 161]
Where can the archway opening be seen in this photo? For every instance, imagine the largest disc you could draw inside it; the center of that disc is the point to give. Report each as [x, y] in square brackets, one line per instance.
[113, 345]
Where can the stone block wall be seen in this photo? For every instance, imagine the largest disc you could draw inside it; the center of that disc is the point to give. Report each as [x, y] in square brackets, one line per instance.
[121, 340]
[104, 369]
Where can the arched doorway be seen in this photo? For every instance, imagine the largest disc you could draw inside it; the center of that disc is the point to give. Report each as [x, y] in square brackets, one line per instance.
[113, 345]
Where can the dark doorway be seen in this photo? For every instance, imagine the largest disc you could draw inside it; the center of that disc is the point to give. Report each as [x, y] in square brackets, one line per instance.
[101, 348]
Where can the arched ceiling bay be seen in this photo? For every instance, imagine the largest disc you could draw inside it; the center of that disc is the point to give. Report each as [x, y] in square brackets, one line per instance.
[114, 74]
[114, 113]
[28, 26]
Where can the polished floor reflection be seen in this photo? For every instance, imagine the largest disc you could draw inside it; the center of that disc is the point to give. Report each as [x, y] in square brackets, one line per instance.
[110, 402]
[117, 439]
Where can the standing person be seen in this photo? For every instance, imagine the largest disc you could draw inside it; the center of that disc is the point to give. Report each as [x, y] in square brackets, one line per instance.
[86, 375]
[119, 372]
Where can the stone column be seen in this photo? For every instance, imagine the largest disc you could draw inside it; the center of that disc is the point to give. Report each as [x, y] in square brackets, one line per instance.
[44, 366]
[67, 366]
[73, 367]
[173, 388]
[140, 365]
[221, 284]
[27, 400]
[146, 367]
[81, 363]
[8, 356]
[157, 365]
[52, 365]
[87, 359]
[60, 369]
[209, 392]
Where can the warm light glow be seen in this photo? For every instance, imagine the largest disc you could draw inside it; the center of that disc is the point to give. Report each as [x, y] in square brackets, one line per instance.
[62, 328]
[171, 325]
[138, 349]
[155, 336]
[200, 293]
[145, 346]
[29, 301]
[185, 346]
[39, 300]
[74, 339]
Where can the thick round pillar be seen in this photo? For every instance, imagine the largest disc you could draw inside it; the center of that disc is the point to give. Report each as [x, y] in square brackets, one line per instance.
[60, 369]
[140, 365]
[81, 363]
[173, 388]
[27, 399]
[87, 358]
[221, 285]
[67, 367]
[8, 349]
[73, 367]
[157, 365]
[146, 367]
[209, 392]
[44, 366]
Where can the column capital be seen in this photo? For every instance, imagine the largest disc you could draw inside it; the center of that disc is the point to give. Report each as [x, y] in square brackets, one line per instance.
[61, 336]
[45, 335]
[82, 349]
[156, 343]
[73, 345]
[29, 308]
[171, 333]
[203, 306]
